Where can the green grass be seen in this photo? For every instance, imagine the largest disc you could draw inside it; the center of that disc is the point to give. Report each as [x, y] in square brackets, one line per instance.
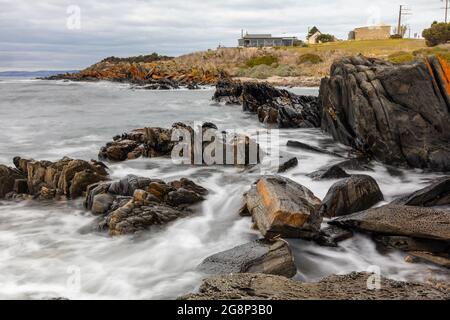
[267, 60]
[374, 47]
[310, 58]
[401, 57]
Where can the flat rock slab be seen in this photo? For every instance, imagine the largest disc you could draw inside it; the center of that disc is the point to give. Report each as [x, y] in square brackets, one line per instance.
[337, 287]
[281, 207]
[407, 221]
[442, 260]
[436, 194]
[353, 194]
[260, 256]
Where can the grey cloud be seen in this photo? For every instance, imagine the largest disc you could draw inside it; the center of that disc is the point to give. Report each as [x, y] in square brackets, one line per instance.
[34, 34]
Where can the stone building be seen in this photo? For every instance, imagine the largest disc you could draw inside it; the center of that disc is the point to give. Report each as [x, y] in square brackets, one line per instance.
[370, 33]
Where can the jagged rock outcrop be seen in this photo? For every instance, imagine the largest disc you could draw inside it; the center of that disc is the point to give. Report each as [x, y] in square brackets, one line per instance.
[436, 194]
[352, 286]
[349, 195]
[9, 180]
[151, 72]
[205, 145]
[259, 256]
[134, 203]
[282, 207]
[273, 106]
[67, 178]
[399, 114]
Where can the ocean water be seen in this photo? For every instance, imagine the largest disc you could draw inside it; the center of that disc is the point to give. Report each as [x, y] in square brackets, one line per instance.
[47, 250]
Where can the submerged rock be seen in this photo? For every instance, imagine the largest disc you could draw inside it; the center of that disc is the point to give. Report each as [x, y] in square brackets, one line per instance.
[336, 287]
[289, 164]
[307, 147]
[282, 207]
[416, 222]
[378, 108]
[330, 236]
[275, 106]
[134, 203]
[437, 194]
[260, 256]
[332, 172]
[359, 192]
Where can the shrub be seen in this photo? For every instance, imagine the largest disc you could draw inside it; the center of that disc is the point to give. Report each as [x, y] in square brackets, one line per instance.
[309, 58]
[442, 52]
[401, 57]
[324, 38]
[438, 33]
[267, 60]
[396, 36]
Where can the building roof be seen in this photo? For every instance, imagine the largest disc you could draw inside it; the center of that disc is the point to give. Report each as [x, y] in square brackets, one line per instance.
[258, 36]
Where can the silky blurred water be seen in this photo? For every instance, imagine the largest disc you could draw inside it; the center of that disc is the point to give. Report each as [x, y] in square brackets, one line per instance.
[45, 250]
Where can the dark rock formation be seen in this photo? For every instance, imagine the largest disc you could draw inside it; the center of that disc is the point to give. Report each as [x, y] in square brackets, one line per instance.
[280, 206]
[156, 142]
[307, 147]
[416, 222]
[66, 178]
[289, 164]
[332, 172]
[353, 194]
[274, 106]
[399, 114]
[330, 236]
[260, 256]
[337, 287]
[437, 194]
[135, 203]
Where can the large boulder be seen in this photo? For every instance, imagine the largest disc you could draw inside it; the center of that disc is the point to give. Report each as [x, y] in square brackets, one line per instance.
[134, 203]
[272, 105]
[282, 207]
[352, 286]
[416, 222]
[399, 114]
[349, 195]
[436, 194]
[66, 178]
[8, 178]
[260, 256]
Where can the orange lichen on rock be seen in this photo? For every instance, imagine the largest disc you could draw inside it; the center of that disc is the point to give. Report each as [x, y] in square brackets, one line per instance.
[445, 75]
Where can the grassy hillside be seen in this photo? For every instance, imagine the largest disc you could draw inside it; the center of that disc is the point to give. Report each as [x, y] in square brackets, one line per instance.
[311, 61]
[280, 66]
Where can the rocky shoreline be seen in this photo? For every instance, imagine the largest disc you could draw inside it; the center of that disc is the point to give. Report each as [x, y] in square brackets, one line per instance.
[370, 105]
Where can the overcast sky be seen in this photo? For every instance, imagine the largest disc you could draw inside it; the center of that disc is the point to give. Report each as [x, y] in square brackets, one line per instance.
[47, 34]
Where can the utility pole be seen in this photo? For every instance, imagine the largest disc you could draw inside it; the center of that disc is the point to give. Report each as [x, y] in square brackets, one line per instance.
[446, 10]
[404, 11]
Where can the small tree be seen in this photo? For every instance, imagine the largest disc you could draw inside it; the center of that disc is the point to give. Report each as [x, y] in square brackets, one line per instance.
[438, 33]
[323, 38]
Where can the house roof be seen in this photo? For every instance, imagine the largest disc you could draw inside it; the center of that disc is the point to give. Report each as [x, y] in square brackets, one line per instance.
[258, 36]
